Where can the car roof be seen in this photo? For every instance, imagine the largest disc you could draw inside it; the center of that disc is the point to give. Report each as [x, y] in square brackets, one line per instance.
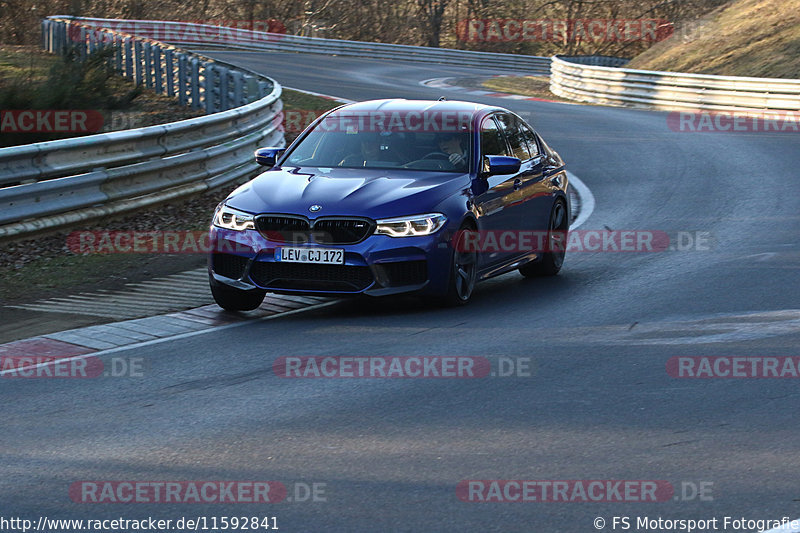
[405, 106]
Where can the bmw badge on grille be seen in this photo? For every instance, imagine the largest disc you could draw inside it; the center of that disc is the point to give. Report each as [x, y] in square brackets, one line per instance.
[314, 208]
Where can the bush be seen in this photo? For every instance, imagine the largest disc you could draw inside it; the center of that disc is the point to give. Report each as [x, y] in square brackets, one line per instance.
[71, 83]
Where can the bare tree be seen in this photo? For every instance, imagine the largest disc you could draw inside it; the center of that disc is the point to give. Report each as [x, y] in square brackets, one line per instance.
[432, 12]
[429, 22]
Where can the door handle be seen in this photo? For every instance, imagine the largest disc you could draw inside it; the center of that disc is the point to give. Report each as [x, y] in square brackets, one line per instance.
[517, 184]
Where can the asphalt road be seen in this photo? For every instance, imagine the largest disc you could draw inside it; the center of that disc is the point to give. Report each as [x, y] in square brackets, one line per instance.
[599, 405]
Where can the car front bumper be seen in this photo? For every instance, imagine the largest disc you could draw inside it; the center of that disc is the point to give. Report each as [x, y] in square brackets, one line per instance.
[377, 266]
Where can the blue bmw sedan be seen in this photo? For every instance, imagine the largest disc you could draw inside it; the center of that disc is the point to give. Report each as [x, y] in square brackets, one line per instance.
[393, 196]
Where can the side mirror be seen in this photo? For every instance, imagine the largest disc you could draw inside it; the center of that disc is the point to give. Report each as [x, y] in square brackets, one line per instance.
[500, 164]
[268, 156]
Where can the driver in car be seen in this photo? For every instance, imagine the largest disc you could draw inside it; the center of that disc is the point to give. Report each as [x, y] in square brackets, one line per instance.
[370, 149]
[450, 145]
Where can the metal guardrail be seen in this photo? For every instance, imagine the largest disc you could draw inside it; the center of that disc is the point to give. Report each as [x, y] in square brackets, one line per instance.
[48, 184]
[184, 33]
[600, 61]
[571, 78]
[595, 79]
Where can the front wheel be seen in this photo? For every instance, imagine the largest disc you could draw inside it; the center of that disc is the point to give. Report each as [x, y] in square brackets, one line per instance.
[463, 271]
[233, 299]
[553, 258]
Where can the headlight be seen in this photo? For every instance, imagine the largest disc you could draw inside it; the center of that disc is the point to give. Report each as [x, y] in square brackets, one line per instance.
[229, 218]
[412, 226]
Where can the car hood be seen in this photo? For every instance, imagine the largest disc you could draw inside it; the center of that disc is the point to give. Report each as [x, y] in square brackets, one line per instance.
[346, 191]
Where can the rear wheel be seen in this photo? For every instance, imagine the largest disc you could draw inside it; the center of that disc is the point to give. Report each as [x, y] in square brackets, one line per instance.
[232, 299]
[552, 259]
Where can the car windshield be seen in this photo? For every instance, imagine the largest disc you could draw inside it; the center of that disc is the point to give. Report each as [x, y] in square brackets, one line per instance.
[349, 141]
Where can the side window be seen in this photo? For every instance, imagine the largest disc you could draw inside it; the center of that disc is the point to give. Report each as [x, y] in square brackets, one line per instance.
[492, 141]
[519, 148]
[530, 138]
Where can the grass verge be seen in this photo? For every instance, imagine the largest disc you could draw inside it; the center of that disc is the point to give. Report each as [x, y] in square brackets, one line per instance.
[534, 86]
[32, 79]
[742, 38]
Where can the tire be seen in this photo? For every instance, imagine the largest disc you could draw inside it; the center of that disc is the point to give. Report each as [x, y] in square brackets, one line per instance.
[551, 261]
[232, 299]
[463, 274]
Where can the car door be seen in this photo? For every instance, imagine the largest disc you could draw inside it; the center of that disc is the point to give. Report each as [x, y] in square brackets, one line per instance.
[493, 200]
[533, 200]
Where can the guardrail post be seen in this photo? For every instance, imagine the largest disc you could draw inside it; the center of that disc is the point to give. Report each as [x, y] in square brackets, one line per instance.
[129, 58]
[137, 62]
[58, 41]
[51, 35]
[66, 39]
[170, 72]
[182, 78]
[223, 88]
[158, 70]
[92, 34]
[104, 41]
[148, 65]
[195, 82]
[57, 37]
[238, 93]
[208, 87]
[54, 31]
[82, 46]
[116, 42]
[251, 86]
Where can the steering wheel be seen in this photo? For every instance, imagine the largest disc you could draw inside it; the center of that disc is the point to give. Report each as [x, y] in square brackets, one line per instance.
[425, 164]
[352, 160]
[435, 155]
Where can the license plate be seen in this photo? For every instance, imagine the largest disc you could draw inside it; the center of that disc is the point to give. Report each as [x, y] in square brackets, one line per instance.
[324, 256]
